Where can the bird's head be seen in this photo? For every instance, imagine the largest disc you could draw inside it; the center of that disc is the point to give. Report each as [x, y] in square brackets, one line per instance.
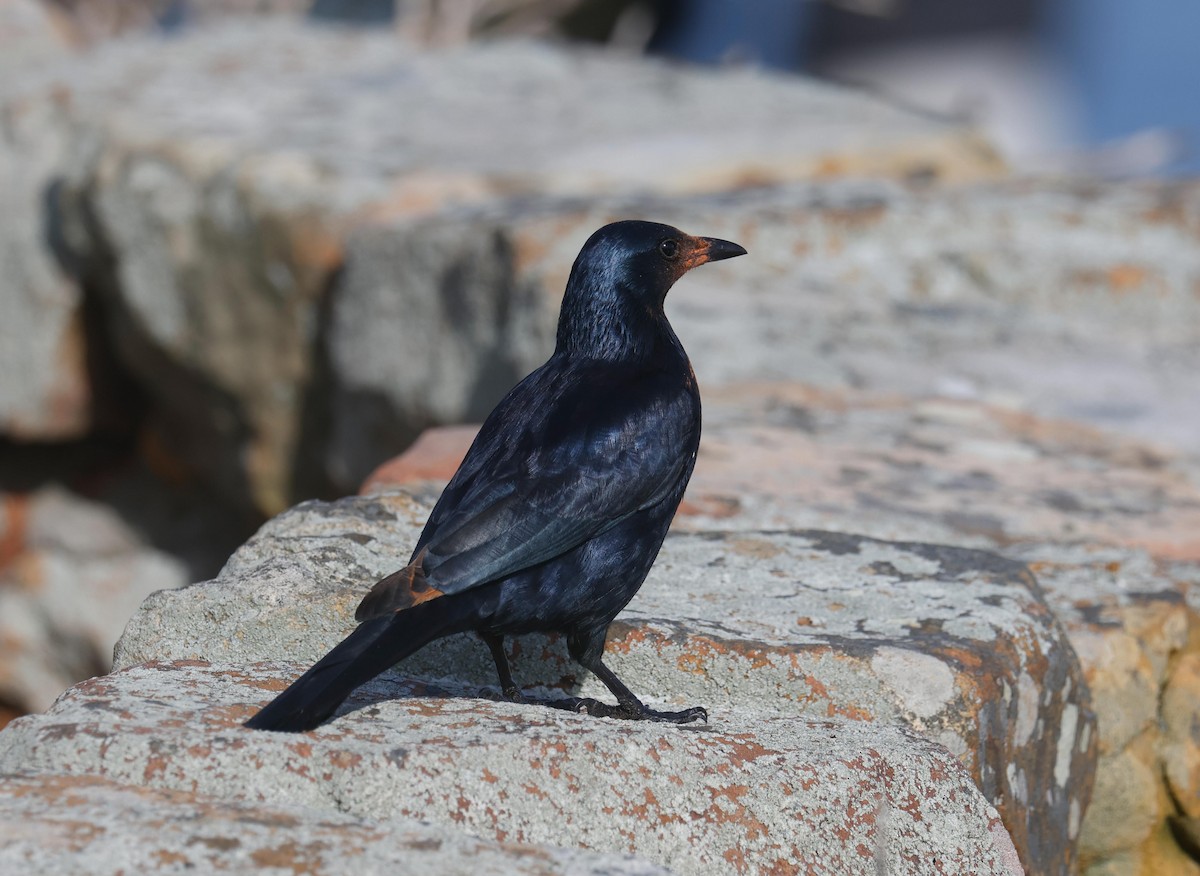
[620, 280]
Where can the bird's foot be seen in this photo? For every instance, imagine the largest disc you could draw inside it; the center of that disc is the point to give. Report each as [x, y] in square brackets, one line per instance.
[631, 712]
[686, 716]
[510, 694]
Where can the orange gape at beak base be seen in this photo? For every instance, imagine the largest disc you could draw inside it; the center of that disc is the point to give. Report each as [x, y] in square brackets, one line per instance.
[710, 249]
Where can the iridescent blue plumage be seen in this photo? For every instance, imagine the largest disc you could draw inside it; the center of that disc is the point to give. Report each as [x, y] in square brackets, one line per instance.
[558, 510]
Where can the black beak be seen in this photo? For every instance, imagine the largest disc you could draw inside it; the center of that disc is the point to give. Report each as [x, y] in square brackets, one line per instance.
[721, 249]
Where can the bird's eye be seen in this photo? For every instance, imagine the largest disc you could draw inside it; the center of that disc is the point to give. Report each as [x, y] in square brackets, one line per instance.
[669, 248]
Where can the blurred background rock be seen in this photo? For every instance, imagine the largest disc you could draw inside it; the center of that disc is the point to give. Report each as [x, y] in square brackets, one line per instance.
[250, 249]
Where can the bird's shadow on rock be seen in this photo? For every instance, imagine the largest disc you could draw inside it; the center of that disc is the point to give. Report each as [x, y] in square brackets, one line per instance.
[540, 659]
[393, 686]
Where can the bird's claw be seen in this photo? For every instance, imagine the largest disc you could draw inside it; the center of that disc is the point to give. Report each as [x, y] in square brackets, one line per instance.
[695, 713]
[598, 709]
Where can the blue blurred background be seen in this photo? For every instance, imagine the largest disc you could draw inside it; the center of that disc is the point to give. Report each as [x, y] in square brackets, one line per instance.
[1098, 87]
[1085, 87]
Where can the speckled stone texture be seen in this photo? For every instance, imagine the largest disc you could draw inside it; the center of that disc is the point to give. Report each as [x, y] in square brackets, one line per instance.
[1127, 615]
[1108, 524]
[88, 826]
[956, 644]
[748, 794]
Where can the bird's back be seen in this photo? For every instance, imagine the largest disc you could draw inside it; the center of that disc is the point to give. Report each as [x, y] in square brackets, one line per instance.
[580, 437]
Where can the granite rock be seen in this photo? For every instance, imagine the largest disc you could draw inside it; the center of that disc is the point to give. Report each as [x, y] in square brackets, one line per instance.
[210, 187]
[1106, 523]
[74, 572]
[75, 563]
[748, 794]
[52, 824]
[954, 643]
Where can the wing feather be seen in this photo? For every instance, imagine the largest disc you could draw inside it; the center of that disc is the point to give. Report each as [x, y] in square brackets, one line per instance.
[569, 453]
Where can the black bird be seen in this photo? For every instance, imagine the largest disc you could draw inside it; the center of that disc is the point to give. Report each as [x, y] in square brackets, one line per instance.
[560, 507]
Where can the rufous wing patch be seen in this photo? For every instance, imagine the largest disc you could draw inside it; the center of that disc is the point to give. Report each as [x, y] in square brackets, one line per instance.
[398, 591]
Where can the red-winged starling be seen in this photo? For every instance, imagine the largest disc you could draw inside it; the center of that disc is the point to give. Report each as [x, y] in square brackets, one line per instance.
[557, 513]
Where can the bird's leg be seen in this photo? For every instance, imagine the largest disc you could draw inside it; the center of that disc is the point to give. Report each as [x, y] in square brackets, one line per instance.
[586, 649]
[629, 706]
[507, 686]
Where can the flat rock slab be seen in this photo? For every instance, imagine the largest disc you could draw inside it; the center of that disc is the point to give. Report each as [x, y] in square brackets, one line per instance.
[748, 794]
[954, 643]
[90, 826]
[950, 471]
[958, 471]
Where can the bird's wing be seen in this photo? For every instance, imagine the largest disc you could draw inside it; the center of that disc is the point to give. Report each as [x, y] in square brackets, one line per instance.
[559, 462]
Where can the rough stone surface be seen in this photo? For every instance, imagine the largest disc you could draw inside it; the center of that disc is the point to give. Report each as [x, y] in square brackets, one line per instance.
[45, 392]
[53, 824]
[748, 794]
[954, 471]
[1108, 525]
[214, 183]
[1181, 715]
[75, 574]
[957, 644]
[1068, 302]
[1126, 614]
[75, 565]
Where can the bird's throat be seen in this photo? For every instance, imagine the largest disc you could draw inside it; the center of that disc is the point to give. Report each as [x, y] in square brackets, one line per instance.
[612, 327]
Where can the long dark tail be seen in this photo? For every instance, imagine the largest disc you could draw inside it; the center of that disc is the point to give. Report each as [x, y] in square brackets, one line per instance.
[373, 647]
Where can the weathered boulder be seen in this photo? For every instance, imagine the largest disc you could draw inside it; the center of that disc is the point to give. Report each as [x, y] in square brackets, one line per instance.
[749, 794]
[1067, 302]
[75, 565]
[957, 644]
[1055, 301]
[213, 184]
[74, 573]
[1107, 524]
[1126, 613]
[52, 824]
